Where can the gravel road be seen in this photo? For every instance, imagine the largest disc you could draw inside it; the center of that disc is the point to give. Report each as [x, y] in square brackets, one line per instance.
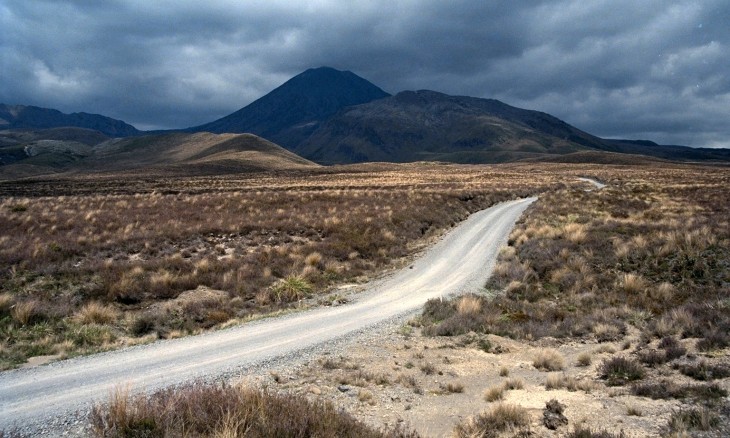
[460, 262]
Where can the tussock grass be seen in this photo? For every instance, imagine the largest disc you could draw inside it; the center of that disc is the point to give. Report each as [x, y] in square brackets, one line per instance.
[491, 423]
[211, 411]
[266, 242]
[548, 360]
[96, 313]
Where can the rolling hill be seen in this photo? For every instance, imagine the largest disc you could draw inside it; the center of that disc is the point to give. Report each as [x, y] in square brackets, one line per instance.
[173, 154]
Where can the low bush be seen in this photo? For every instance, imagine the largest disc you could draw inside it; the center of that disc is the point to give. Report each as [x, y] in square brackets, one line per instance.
[704, 371]
[700, 418]
[620, 370]
[208, 411]
[491, 423]
[586, 432]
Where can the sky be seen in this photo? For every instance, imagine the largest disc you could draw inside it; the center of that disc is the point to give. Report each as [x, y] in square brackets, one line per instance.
[649, 69]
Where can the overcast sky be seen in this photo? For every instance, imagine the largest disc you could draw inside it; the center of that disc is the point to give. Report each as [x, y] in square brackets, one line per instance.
[647, 69]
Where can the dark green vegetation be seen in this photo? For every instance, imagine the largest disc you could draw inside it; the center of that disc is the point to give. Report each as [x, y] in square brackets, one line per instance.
[199, 410]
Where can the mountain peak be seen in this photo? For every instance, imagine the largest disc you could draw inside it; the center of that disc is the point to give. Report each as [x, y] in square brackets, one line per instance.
[289, 113]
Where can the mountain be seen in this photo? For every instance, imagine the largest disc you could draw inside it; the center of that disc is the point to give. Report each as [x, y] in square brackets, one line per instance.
[426, 125]
[291, 112]
[33, 117]
[430, 126]
[172, 154]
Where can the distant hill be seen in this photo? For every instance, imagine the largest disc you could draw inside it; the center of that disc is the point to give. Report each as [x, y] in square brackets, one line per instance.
[33, 117]
[291, 112]
[174, 154]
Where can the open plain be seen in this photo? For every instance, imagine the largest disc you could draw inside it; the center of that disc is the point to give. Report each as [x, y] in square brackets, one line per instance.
[613, 298]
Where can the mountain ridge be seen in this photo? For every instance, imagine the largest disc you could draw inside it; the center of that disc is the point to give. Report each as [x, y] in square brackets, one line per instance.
[34, 117]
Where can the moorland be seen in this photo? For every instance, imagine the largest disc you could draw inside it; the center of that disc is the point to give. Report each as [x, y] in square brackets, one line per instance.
[616, 294]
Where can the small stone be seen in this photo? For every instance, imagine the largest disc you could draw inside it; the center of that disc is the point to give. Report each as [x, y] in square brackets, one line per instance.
[314, 390]
[343, 388]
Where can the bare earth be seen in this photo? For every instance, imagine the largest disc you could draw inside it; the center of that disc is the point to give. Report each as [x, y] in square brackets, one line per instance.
[460, 262]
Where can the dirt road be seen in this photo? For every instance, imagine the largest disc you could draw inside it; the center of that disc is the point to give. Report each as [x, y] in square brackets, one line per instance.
[460, 262]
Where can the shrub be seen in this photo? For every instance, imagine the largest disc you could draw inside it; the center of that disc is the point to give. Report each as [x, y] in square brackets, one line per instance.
[143, 324]
[491, 423]
[667, 390]
[704, 371]
[620, 370]
[693, 419]
[208, 410]
[548, 360]
[586, 432]
[714, 341]
[652, 357]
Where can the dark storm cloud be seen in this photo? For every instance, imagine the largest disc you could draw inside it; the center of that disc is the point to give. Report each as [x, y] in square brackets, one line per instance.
[650, 69]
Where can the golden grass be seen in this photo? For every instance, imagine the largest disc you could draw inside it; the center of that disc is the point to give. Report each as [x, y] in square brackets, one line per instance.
[548, 360]
[96, 313]
[468, 305]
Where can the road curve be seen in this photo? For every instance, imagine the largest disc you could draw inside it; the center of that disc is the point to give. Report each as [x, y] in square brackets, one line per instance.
[459, 262]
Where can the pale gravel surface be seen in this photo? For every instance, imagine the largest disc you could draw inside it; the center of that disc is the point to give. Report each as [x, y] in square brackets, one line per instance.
[54, 399]
[597, 184]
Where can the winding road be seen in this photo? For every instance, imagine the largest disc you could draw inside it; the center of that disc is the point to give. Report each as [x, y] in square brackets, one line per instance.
[460, 262]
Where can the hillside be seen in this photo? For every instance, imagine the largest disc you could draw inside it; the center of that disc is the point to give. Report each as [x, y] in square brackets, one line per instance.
[291, 112]
[168, 154]
[33, 117]
[426, 125]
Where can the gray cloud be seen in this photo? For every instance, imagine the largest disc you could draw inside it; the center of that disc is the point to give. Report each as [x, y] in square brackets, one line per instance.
[616, 68]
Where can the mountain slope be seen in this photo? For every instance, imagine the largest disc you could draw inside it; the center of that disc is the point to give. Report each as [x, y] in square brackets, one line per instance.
[193, 153]
[176, 154]
[33, 117]
[426, 125]
[291, 112]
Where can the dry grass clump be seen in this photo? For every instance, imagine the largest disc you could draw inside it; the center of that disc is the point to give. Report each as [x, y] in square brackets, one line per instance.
[586, 432]
[496, 420]
[206, 410]
[548, 360]
[702, 419]
[96, 313]
[494, 393]
[584, 359]
[468, 305]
